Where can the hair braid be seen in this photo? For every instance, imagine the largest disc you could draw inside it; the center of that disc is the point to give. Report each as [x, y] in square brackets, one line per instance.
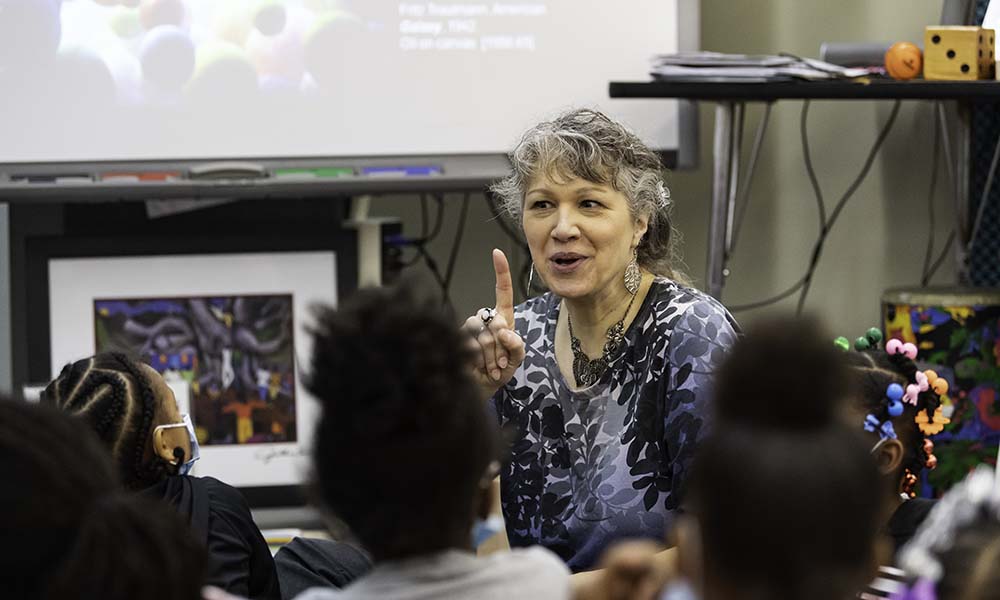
[875, 369]
[115, 396]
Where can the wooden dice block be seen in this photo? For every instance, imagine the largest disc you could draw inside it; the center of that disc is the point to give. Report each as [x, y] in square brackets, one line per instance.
[958, 53]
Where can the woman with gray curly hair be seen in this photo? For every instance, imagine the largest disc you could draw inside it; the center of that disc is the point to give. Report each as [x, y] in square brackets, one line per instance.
[603, 381]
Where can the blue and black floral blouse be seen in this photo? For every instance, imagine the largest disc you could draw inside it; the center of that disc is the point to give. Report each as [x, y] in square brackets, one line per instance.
[608, 462]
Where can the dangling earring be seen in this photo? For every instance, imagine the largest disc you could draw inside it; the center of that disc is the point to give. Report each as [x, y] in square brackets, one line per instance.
[531, 275]
[633, 277]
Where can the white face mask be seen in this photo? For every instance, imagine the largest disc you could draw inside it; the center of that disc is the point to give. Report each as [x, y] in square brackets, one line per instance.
[195, 451]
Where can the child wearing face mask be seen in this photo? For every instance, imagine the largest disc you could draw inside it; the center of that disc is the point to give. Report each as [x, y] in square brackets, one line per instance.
[153, 446]
[405, 453]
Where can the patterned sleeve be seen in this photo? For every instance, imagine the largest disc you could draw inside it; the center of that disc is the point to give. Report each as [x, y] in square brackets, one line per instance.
[699, 341]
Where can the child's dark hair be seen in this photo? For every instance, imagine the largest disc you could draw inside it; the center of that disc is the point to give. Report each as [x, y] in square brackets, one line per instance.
[872, 371]
[67, 533]
[786, 494]
[405, 439]
[114, 396]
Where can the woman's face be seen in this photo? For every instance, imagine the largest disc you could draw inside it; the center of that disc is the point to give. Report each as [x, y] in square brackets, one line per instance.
[581, 234]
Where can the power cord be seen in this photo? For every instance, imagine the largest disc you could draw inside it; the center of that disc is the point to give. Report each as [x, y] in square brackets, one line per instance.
[520, 283]
[802, 284]
[743, 198]
[818, 248]
[931, 217]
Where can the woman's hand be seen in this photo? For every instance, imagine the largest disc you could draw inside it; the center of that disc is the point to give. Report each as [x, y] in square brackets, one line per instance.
[498, 349]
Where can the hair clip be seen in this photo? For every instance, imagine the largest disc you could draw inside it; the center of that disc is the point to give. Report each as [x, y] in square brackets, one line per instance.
[931, 426]
[913, 390]
[884, 429]
[662, 195]
[895, 346]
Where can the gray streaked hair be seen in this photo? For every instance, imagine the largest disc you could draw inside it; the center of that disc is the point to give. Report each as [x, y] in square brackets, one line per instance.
[586, 144]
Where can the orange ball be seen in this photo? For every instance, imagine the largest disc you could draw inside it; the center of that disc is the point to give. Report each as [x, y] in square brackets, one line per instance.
[904, 61]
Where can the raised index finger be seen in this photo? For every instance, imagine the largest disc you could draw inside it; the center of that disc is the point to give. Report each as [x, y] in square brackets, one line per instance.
[505, 286]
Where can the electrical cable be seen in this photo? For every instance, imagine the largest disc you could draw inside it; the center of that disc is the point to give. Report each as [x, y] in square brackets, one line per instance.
[931, 217]
[869, 161]
[768, 301]
[520, 283]
[804, 282]
[981, 210]
[950, 164]
[810, 170]
[743, 200]
[940, 259]
[456, 244]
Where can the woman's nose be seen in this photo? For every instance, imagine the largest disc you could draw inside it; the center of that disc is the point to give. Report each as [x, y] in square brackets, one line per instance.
[566, 226]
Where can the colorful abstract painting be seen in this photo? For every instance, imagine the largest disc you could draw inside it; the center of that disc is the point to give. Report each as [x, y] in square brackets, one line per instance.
[236, 352]
[961, 342]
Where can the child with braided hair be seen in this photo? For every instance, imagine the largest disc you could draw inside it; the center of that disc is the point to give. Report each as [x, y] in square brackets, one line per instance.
[133, 412]
[899, 405]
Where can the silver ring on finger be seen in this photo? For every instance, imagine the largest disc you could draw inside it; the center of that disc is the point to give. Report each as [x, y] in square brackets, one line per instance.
[486, 315]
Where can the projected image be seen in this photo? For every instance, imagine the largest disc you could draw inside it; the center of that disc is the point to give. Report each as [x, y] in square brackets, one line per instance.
[236, 352]
[195, 50]
[104, 80]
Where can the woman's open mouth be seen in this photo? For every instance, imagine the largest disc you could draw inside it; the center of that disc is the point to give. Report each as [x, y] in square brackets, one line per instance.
[566, 262]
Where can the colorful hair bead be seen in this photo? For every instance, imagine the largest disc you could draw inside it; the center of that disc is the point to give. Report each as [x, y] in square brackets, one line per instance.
[908, 483]
[861, 344]
[910, 350]
[874, 335]
[912, 393]
[923, 382]
[936, 383]
[894, 392]
[931, 462]
[895, 409]
[893, 346]
[842, 343]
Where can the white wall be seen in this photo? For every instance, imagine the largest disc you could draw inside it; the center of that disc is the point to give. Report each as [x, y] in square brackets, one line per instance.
[878, 242]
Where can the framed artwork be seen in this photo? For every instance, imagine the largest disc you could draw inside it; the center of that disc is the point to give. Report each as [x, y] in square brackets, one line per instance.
[227, 329]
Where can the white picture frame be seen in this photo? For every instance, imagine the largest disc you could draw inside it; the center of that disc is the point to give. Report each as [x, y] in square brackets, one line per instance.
[310, 277]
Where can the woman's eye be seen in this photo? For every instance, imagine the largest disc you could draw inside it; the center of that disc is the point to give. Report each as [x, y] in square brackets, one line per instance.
[590, 204]
[541, 204]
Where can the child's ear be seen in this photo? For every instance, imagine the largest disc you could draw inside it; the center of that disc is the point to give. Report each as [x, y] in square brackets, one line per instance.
[889, 456]
[167, 438]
